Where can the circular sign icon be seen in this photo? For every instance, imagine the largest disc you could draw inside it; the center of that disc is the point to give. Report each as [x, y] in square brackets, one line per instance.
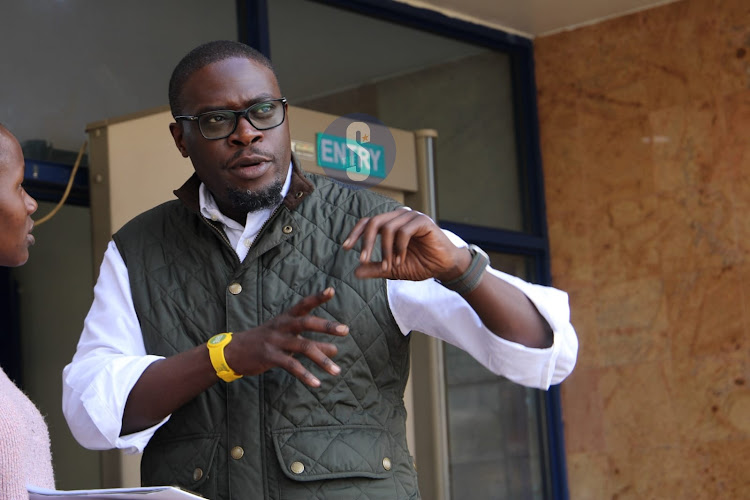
[356, 149]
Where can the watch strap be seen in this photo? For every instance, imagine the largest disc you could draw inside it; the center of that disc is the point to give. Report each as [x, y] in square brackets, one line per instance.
[469, 280]
[216, 345]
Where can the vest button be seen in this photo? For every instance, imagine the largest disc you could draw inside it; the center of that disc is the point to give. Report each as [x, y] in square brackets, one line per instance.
[287, 229]
[237, 452]
[235, 288]
[197, 474]
[387, 463]
[297, 467]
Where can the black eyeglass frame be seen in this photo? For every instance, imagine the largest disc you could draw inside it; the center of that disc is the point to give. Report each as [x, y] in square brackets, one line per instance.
[237, 115]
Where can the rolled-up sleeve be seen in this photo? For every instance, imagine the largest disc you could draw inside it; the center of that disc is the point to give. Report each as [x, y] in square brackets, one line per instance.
[430, 308]
[109, 360]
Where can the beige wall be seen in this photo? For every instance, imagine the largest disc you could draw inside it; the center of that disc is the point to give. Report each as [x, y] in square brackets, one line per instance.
[645, 136]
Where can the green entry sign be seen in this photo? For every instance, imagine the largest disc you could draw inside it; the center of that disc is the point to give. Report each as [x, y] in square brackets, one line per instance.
[358, 159]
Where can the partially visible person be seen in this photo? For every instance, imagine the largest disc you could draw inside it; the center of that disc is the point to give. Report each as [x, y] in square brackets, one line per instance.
[25, 457]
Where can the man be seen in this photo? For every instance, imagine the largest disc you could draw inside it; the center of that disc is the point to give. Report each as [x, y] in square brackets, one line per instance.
[217, 317]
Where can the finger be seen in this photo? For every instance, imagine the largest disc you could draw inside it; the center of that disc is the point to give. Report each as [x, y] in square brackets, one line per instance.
[328, 349]
[293, 366]
[319, 352]
[386, 244]
[317, 324]
[418, 224]
[310, 302]
[370, 270]
[373, 228]
[355, 233]
[395, 236]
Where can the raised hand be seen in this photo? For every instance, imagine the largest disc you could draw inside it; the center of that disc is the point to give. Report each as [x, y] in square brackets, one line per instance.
[171, 382]
[413, 248]
[277, 341]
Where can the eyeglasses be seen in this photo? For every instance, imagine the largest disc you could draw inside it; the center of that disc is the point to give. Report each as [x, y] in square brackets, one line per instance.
[220, 124]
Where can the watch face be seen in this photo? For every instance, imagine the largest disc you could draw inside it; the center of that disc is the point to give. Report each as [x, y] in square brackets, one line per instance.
[217, 339]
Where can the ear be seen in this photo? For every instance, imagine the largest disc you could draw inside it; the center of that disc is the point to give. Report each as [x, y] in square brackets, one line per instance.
[179, 138]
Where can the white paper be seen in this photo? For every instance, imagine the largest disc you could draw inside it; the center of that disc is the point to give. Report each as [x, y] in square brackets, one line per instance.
[148, 493]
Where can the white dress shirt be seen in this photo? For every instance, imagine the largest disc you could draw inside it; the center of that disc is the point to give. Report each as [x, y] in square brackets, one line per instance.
[111, 355]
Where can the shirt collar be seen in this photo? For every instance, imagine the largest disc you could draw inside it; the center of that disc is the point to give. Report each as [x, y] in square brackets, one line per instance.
[210, 209]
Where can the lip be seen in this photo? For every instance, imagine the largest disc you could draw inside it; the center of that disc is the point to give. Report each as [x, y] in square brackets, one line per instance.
[250, 167]
[30, 237]
[248, 160]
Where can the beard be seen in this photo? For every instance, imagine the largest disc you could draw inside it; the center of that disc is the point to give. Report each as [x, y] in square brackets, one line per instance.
[251, 201]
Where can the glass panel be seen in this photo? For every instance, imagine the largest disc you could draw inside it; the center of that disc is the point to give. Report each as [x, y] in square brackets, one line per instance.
[354, 64]
[493, 424]
[469, 102]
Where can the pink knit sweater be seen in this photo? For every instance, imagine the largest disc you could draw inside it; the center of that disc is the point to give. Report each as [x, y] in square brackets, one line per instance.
[25, 456]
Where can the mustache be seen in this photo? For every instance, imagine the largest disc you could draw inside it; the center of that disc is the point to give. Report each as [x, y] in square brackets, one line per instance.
[251, 152]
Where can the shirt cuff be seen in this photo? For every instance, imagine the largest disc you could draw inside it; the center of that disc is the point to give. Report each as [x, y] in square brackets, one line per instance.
[428, 307]
[104, 402]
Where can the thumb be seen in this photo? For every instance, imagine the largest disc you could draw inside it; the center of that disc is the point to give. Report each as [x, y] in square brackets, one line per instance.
[370, 270]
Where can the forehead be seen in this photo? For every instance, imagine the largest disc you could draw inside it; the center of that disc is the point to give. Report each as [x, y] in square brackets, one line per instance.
[11, 158]
[234, 82]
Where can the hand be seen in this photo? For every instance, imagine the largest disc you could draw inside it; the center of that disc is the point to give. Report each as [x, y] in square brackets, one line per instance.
[413, 248]
[275, 342]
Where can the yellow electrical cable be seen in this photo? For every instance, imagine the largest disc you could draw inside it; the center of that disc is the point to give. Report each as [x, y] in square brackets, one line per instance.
[67, 188]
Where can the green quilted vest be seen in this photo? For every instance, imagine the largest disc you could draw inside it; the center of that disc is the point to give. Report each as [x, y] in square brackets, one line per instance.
[270, 436]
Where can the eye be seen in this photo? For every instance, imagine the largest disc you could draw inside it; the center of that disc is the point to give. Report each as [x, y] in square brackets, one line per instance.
[264, 108]
[215, 118]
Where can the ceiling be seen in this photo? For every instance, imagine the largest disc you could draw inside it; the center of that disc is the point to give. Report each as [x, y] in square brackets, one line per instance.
[533, 18]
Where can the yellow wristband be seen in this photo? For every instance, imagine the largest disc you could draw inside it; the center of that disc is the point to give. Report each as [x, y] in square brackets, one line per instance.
[216, 346]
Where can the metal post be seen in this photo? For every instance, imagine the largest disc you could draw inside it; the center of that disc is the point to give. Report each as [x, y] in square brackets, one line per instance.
[428, 374]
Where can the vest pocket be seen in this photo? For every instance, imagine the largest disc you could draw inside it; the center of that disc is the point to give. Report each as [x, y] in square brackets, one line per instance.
[334, 452]
[187, 462]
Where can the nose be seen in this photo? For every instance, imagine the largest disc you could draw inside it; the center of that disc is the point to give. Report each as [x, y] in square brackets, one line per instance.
[31, 204]
[245, 133]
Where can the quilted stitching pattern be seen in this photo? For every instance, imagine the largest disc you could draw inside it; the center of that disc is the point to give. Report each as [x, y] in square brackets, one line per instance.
[183, 301]
[318, 447]
[182, 457]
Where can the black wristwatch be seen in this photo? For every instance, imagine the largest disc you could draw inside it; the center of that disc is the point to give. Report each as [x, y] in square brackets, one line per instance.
[469, 280]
